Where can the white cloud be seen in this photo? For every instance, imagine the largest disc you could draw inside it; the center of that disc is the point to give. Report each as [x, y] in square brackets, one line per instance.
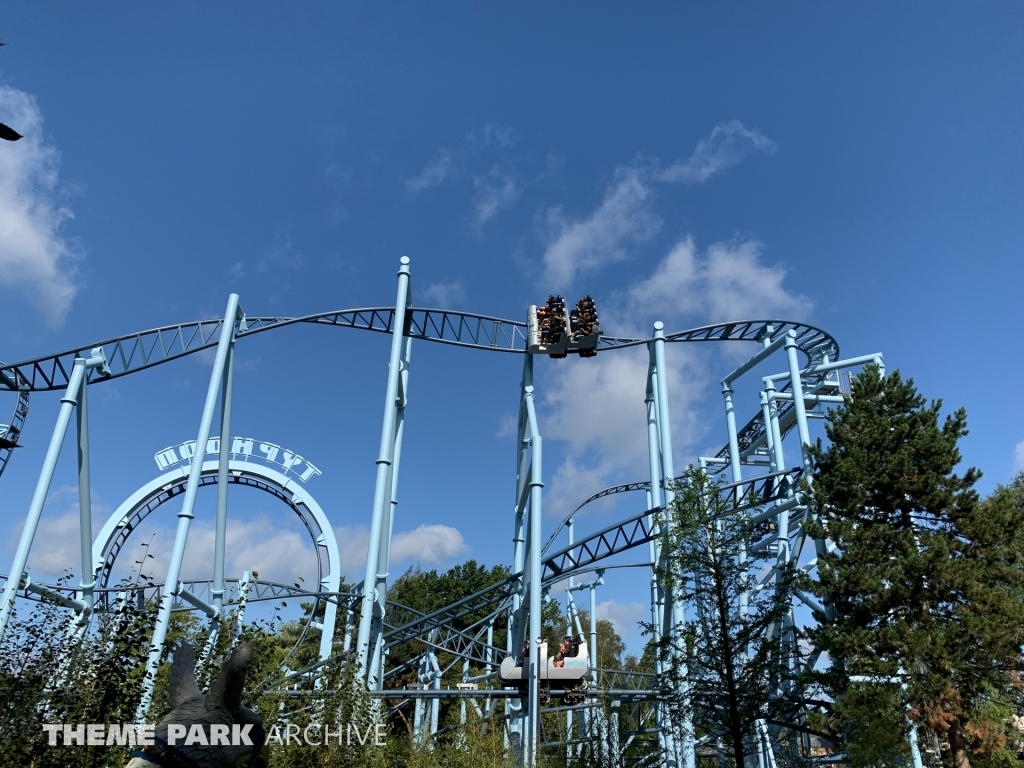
[438, 168]
[729, 282]
[1018, 458]
[508, 426]
[252, 545]
[493, 135]
[586, 245]
[444, 295]
[571, 484]
[596, 407]
[624, 617]
[352, 543]
[495, 191]
[280, 254]
[35, 260]
[577, 246]
[427, 544]
[56, 545]
[727, 145]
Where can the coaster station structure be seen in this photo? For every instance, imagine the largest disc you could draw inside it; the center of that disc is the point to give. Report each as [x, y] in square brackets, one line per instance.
[618, 708]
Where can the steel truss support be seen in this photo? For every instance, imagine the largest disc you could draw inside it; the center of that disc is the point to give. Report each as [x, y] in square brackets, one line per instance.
[676, 740]
[221, 528]
[369, 644]
[525, 630]
[172, 589]
[75, 396]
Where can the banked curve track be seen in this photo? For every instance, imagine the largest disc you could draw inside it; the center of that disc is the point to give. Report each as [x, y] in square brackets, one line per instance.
[146, 349]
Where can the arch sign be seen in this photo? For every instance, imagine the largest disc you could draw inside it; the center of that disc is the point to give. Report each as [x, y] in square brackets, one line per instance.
[241, 450]
[264, 466]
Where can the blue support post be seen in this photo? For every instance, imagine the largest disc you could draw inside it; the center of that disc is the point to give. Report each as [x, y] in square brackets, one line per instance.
[187, 513]
[730, 425]
[593, 624]
[654, 500]
[224, 457]
[535, 544]
[88, 580]
[35, 510]
[778, 457]
[387, 530]
[382, 489]
[674, 617]
[798, 401]
[517, 629]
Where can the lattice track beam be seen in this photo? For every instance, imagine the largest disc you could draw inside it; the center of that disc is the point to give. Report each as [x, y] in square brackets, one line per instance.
[138, 351]
[754, 429]
[161, 496]
[259, 590]
[611, 541]
[637, 530]
[617, 538]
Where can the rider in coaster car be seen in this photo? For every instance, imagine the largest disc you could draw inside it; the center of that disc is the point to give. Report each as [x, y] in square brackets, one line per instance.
[564, 650]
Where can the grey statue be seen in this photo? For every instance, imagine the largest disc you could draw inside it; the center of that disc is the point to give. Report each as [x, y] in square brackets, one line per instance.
[218, 713]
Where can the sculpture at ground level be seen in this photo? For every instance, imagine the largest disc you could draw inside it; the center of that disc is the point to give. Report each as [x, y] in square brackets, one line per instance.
[222, 707]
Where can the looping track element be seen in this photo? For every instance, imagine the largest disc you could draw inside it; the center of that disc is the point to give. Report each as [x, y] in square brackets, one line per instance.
[115, 535]
[138, 351]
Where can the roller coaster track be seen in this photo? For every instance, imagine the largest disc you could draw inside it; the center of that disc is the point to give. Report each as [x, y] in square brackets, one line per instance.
[149, 593]
[753, 432]
[9, 433]
[440, 629]
[581, 555]
[139, 351]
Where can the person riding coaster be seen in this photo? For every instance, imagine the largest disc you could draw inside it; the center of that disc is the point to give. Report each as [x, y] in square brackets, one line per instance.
[570, 676]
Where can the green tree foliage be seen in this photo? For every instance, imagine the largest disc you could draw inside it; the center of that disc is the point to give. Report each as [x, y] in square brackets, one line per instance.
[47, 678]
[738, 663]
[926, 583]
[610, 646]
[428, 591]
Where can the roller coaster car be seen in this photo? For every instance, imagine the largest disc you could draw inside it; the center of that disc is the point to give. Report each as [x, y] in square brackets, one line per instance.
[554, 332]
[571, 677]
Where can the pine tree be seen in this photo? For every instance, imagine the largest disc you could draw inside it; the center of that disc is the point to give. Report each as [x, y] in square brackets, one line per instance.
[740, 667]
[926, 582]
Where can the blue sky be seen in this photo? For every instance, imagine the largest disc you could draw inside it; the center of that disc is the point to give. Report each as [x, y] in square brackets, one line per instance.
[856, 166]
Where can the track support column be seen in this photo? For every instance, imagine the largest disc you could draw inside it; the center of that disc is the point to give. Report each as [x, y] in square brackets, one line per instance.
[187, 513]
[682, 752]
[224, 459]
[88, 580]
[76, 384]
[382, 492]
[517, 625]
[534, 545]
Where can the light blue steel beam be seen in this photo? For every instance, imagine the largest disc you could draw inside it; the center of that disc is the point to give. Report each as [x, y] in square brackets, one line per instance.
[683, 750]
[231, 316]
[798, 402]
[382, 490]
[224, 460]
[35, 509]
[517, 626]
[534, 564]
[138, 351]
[88, 580]
[387, 531]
